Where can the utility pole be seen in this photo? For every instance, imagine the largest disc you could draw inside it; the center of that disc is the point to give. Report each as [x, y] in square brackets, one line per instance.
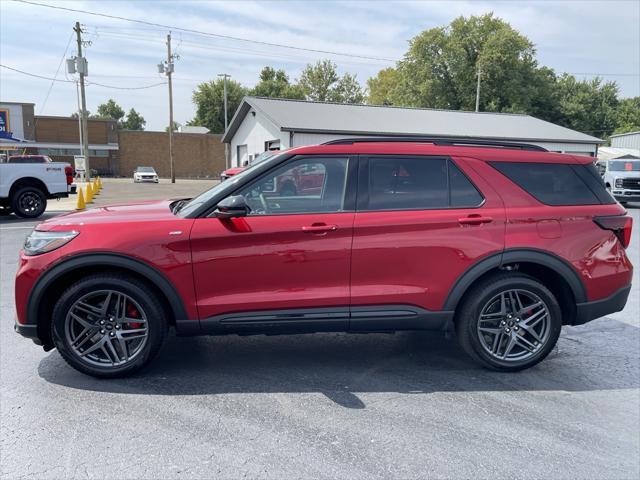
[226, 120]
[478, 89]
[81, 65]
[169, 71]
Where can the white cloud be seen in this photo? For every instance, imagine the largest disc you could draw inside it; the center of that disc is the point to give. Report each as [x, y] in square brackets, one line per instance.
[573, 36]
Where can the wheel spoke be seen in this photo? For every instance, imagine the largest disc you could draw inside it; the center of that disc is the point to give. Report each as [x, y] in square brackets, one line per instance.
[524, 343]
[92, 348]
[530, 330]
[112, 350]
[509, 346]
[88, 308]
[82, 321]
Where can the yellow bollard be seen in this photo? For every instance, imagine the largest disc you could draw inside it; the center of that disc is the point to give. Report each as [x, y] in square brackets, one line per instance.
[94, 186]
[99, 183]
[89, 198]
[81, 205]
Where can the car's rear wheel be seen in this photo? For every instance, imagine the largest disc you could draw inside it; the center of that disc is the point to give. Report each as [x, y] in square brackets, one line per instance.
[28, 202]
[108, 325]
[509, 322]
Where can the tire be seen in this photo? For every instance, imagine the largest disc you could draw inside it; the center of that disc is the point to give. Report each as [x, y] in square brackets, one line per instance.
[488, 340]
[29, 202]
[142, 337]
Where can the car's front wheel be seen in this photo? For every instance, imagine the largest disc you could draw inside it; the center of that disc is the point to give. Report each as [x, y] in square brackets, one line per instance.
[108, 325]
[509, 322]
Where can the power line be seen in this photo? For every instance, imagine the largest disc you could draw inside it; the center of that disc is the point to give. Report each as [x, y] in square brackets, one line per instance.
[46, 98]
[36, 76]
[207, 34]
[53, 79]
[127, 88]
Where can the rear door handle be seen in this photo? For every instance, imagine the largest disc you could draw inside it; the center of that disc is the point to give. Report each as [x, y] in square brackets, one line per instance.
[474, 219]
[319, 228]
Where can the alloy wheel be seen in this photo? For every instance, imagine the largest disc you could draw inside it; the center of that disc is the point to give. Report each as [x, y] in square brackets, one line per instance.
[514, 325]
[106, 328]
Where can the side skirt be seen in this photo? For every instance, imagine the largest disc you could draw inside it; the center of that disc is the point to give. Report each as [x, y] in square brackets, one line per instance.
[378, 318]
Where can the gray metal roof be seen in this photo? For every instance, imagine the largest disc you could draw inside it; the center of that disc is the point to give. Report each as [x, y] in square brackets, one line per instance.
[338, 118]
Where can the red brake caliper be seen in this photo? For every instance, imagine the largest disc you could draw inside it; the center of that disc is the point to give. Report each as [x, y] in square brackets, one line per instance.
[132, 312]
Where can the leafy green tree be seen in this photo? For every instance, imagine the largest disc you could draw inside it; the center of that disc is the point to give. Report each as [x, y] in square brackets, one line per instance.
[110, 110]
[628, 115]
[176, 125]
[275, 83]
[321, 82]
[209, 101]
[589, 106]
[440, 69]
[134, 121]
[382, 87]
[347, 90]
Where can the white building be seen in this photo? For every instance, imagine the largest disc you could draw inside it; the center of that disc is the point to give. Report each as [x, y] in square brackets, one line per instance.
[626, 140]
[262, 124]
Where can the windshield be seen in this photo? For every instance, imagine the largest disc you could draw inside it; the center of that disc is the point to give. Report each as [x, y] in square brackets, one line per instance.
[625, 166]
[204, 197]
[145, 169]
[263, 156]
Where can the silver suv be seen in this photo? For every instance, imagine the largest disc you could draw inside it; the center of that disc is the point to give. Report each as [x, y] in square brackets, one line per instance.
[622, 178]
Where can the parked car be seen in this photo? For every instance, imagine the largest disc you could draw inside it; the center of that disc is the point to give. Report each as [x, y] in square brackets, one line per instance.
[503, 242]
[29, 159]
[622, 178]
[26, 187]
[230, 172]
[145, 174]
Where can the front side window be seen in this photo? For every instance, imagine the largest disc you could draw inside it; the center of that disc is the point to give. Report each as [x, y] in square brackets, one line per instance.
[625, 166]
[306, 185]
[417, 183]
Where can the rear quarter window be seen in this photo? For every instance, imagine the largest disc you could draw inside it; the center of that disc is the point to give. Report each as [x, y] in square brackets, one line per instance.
[557, 183]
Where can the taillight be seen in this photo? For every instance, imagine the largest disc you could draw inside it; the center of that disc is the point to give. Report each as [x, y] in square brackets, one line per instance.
[619, 224]
[68, 171]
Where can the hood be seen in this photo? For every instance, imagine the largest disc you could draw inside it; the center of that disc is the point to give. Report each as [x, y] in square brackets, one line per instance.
[143, 211]
[625, 173]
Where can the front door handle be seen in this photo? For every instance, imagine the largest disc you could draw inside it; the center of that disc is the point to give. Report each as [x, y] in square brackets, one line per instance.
[474, 219]
[321, 228]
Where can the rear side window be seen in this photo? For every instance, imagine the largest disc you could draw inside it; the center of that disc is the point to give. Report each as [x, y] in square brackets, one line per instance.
[557, 183]
[416, 183]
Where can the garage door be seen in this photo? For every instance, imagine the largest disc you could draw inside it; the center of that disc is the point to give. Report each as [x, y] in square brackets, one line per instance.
[242, 155]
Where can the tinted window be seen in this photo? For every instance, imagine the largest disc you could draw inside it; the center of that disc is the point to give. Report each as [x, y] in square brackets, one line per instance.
[625, 166]
[463, 193]
[407, 183]
[415, 183]
[308, 185]
[552, 184]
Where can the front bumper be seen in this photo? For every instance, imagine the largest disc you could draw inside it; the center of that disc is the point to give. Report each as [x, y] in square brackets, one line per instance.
[585, 312]
[622, 195]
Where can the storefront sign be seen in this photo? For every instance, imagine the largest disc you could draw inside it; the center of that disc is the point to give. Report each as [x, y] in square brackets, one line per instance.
[4, 121]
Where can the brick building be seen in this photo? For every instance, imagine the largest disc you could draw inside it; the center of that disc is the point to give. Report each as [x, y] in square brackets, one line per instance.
[112, 152]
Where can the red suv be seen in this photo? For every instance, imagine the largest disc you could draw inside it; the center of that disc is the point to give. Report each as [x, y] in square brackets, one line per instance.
[504, 242]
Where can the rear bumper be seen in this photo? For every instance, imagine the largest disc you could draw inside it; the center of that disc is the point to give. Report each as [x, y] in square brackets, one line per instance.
[585, 312]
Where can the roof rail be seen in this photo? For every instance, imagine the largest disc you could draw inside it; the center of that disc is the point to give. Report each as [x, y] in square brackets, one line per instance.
[471, 142]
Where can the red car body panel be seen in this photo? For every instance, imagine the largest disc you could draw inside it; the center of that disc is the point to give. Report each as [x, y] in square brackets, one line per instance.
[265, 263]
[369, 258]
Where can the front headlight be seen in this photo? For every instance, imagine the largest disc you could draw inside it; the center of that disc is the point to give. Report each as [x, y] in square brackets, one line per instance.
[43, 242]
[618, 183]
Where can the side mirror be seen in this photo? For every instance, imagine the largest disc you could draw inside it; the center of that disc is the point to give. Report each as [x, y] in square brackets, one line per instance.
[230, 207]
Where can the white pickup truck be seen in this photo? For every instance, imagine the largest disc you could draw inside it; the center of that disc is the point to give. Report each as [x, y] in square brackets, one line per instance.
[26, 187]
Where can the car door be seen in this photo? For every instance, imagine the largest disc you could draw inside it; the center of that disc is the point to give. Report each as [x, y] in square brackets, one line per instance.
[420, 223]
[286, 264]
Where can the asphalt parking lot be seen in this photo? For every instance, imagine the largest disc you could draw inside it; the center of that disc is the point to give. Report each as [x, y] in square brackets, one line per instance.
[322, 406]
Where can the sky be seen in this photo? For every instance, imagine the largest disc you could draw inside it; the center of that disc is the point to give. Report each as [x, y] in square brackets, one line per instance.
[580, 37]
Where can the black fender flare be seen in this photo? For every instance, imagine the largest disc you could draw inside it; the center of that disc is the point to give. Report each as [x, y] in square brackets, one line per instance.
[516, 255]
[106, 260]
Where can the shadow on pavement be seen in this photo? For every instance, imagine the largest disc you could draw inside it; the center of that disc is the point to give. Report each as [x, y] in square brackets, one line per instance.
[601, 355]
